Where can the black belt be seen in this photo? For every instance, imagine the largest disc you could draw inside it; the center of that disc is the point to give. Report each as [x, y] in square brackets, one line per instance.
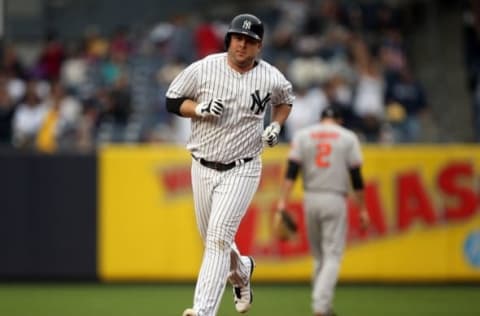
[221, 166]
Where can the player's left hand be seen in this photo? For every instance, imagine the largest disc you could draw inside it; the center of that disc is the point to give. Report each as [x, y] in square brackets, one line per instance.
[284, 225]
[271, 134]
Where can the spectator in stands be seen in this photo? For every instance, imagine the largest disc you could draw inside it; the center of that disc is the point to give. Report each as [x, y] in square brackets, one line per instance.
[339, 95]
[96, 46]
[207, 39]
[7, 109]
[360, 42]
[15, 86]
[88, 126]
[120, 100]
[406, 104]
[28, 117]
[325, 29]
[166, 127]
[51, 58]
[74, 71]
[368, 103]
[120, 41]
[181, 40]
[60, 125]
[289, 17]
[115, 112]
[114, 67]
[309, 103]
[11, 63]
[471, 47]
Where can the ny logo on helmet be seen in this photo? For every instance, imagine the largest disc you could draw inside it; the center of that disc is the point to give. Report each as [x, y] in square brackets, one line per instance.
[246, 25]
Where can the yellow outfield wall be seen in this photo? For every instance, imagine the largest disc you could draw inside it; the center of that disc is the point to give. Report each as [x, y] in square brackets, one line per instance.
[423, 200]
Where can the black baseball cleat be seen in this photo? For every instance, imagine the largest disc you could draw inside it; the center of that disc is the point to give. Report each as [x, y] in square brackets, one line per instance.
[243, 295]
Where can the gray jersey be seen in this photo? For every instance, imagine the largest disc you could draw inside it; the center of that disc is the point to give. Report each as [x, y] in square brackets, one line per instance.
[237, 132]
[326, 152]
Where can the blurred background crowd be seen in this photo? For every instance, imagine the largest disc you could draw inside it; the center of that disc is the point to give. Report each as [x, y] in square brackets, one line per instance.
[107, 85]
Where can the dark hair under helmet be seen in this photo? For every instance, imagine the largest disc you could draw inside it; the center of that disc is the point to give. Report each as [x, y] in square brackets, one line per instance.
[247, 24]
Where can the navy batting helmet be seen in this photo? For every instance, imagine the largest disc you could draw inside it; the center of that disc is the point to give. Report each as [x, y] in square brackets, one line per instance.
[247, 24]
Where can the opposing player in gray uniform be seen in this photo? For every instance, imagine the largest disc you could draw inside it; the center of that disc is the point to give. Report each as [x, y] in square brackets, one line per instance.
[329, 156]
[226, 96]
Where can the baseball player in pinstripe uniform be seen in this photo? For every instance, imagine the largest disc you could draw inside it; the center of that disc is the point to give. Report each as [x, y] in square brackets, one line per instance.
[330, 158]
[226, 96]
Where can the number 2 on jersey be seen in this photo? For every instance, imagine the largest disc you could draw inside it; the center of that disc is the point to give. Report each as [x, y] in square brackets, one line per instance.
[323, 152]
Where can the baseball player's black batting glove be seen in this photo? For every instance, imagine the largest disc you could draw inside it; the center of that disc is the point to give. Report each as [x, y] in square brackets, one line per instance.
[214, 107]
[271, 133]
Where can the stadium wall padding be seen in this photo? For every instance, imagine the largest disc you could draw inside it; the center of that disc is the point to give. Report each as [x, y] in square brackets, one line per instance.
[48, 216]
[125, 213]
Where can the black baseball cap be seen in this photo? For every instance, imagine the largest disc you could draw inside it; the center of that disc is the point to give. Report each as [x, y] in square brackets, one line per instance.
[331, 112]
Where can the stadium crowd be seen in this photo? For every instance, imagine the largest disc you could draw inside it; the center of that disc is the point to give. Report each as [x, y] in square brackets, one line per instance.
[103, 89]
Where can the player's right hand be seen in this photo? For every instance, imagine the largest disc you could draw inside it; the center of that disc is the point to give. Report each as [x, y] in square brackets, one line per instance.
[214, 107]
[364, 219]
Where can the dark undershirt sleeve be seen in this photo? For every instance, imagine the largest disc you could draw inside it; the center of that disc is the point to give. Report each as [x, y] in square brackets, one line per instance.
[356, 178]
[174, 104]
[292, 170]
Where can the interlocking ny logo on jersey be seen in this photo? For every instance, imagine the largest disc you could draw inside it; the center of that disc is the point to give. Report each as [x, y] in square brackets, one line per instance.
[258, 104]
[246, 25]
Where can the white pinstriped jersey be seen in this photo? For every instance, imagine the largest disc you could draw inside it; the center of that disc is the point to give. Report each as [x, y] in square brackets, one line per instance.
[237, 132]
[326, 152]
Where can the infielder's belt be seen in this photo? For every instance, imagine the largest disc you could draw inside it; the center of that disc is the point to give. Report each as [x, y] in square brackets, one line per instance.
[221, 166]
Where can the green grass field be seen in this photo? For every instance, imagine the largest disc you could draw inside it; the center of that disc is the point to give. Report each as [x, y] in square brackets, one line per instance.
[42, 299]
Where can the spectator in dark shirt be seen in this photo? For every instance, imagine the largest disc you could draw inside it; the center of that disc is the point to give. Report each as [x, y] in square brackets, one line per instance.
[6, 116]
[471, 50]
[406, 103]
[51, 58]
[116, 104]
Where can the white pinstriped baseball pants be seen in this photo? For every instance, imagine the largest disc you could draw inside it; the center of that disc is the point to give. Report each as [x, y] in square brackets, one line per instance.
[221, 200]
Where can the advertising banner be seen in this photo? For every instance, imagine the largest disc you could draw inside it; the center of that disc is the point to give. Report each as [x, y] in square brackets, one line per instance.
[146, 225]
[423, 201]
